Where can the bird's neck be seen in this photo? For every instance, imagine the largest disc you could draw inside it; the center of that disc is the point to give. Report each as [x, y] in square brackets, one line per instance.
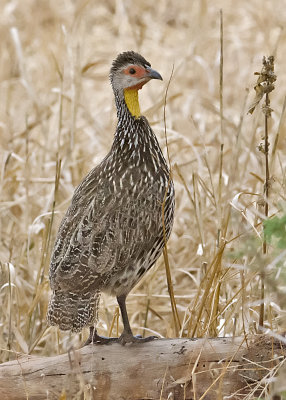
[132, 102]
[134, 136]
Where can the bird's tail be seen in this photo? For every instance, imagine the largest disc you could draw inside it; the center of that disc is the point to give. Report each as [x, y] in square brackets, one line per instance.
[72, 311]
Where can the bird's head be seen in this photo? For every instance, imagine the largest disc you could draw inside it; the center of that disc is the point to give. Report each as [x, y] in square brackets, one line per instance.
[129, 72]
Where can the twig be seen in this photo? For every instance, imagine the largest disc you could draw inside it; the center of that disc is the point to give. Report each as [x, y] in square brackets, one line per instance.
[176, 318]
[264, 86]
[221, 129]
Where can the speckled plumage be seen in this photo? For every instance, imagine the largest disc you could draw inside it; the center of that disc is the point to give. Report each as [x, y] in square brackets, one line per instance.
[112, 232]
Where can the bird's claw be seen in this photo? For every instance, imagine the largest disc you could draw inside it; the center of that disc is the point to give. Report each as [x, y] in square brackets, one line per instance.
[96, 339]
[126, 338]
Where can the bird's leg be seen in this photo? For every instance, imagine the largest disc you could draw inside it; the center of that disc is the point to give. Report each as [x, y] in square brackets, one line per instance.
[94, 338]
[127, 335]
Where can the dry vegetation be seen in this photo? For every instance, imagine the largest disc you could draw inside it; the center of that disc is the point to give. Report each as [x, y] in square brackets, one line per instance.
[57, 119]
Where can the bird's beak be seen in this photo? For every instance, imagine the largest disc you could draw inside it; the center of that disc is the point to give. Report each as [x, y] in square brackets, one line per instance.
[152, 74]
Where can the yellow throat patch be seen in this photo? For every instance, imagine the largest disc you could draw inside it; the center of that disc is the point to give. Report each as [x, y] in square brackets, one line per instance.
[131, 99]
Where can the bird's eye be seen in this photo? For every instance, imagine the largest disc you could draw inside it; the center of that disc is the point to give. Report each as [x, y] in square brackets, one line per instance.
[132, 71]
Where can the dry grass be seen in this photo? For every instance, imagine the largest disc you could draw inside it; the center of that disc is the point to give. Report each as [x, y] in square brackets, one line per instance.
[57, 119]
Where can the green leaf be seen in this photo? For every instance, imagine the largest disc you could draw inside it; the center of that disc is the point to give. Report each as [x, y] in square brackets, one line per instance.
[275, 231]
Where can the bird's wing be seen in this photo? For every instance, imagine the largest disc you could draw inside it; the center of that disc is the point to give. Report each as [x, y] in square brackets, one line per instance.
[106, 229]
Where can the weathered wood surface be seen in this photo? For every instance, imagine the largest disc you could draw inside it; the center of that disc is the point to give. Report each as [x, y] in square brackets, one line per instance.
[170, 368]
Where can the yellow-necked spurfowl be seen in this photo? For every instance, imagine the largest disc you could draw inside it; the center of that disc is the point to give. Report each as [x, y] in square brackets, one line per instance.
[113, 231]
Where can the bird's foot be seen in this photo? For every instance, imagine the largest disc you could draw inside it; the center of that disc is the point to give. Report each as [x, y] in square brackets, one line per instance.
[126, 337]
[94, 338]
[129, 338]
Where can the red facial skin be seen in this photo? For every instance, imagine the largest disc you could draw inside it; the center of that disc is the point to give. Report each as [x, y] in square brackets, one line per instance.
[140, 73]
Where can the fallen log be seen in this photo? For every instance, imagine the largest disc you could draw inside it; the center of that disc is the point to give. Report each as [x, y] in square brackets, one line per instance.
[163, 369]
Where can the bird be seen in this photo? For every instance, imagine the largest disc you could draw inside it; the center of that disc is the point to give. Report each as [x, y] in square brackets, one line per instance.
[120, 217]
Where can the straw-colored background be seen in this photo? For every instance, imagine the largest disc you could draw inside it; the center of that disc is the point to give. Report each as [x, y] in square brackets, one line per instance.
[56, 103]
